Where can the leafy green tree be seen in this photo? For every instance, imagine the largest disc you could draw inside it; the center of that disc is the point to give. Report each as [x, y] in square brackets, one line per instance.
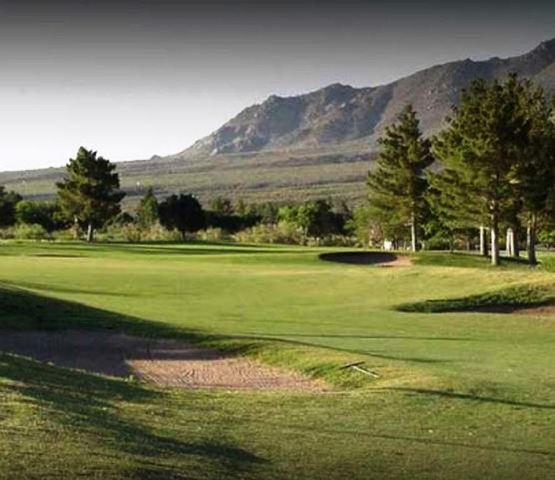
[478, 150]
[45, 214]
[314, 219]
[8, 202]
[397, 186]
[89, 194]
[183, 213]
[147, 211]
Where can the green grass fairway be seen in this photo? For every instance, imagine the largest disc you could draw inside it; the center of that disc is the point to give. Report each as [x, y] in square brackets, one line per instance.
[461, 395]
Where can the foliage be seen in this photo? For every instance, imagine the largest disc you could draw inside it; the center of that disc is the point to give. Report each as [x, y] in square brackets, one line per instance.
[26, 231]
[183, 213]
[313, 219]
[90, 191]
[213, 235]
[482, 152]
[282, 232]
[147, 211]
[515, 296]
[46, 214]
[8, 202]
[397, 184]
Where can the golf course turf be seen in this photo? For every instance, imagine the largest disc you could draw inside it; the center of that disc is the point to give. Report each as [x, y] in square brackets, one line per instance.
[455, 393]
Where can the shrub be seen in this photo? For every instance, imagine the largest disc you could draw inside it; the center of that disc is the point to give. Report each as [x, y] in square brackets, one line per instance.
[283, 232]
[212, 235]
[132, 232]
[30, 232]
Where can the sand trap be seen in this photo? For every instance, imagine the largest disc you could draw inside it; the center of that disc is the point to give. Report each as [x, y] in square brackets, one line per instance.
[164, 363]
[380, 259]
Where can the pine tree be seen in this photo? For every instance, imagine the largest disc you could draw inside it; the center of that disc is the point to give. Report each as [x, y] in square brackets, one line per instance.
[533, 176]
[89, 194]
[397, 186]
[478, 151]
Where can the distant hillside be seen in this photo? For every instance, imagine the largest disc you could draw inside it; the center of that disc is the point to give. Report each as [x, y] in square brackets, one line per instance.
[309, 146]
[340, 114]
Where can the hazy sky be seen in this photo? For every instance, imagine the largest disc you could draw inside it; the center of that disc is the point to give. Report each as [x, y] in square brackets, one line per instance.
[136, 78]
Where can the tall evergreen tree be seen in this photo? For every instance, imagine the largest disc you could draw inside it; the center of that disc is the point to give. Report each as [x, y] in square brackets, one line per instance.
[397, 186]
[533, 176]
[478, 151]
[89, 194]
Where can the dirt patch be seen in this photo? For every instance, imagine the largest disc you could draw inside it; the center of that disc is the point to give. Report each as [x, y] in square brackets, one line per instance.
[164, 363]
[380, 259]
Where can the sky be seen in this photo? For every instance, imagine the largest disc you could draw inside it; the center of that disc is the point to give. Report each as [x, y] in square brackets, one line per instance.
[136, 78]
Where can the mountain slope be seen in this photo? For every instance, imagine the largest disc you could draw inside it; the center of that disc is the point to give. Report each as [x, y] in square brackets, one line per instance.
[311, 146]
[339, 114]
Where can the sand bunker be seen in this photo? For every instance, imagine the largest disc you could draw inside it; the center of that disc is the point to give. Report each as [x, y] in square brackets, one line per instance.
[164, 363]
[380, 259]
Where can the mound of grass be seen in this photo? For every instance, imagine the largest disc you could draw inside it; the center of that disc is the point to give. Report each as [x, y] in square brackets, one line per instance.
[464, 260]
[527, 295]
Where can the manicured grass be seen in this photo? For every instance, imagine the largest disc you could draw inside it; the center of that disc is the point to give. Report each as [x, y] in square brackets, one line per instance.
[460, 395]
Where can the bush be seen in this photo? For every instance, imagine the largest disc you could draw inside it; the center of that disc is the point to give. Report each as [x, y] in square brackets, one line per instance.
[30, 232]
[212, 235]
[283, 232]
[132, 232]
[332, 241]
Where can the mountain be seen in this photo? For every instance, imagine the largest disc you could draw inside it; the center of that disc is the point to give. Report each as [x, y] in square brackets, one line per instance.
[320, 144]
[340, 114]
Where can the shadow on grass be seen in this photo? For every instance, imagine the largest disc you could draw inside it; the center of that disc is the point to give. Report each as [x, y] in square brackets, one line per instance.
[356, 351]
[58, 289]
[368, 337]
[474, 398]
[84, 402]
[357, 435]
[465, 260]
[505, 300]
[24, 310]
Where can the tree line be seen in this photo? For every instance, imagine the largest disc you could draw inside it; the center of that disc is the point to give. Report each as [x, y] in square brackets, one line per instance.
[89, 198]
[491, 167]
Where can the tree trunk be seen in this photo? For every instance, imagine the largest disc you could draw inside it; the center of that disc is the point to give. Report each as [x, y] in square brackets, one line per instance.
[483, 242]
[413, 234]
[531, 241]
[509, 243]
[516, 246]
[90, 232]
[494, 233]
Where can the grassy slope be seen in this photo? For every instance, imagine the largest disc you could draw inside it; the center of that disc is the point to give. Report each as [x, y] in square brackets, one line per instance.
[268, 176]
[462, 395]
